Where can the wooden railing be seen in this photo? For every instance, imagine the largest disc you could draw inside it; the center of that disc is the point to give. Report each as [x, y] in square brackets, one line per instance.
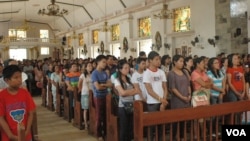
[225, 113]
[13, 41]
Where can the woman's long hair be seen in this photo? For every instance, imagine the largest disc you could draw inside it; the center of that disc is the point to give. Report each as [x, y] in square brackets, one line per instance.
[86, 73]
[120, 65]
[230, 60]
[216, 73]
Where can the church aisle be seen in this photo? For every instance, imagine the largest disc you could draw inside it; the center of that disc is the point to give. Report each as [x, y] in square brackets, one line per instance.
[54, 128]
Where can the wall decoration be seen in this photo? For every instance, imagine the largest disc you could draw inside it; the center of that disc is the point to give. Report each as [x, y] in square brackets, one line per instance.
[81, 40]
[177, 51]
[69, 41]
[115, 32]
[189, 51]
[158, 41]
[95, 36]
[85, 50]
[182, 19]
[184, 51]
[144, 26]
[102, 47]
[125, 44]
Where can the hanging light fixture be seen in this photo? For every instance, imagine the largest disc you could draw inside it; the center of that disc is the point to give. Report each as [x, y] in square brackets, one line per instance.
[106, 27]
[25, 26]
[165, 13]
[53, 10]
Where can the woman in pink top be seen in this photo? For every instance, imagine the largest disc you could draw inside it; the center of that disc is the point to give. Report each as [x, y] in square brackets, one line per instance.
[200, 80]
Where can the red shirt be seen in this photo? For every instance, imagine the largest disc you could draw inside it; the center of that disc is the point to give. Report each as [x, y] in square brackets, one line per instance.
[237, 76]
[15, 109]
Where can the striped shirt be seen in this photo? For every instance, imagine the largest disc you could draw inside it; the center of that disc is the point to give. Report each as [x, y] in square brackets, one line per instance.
[73, 78]
[217, 82]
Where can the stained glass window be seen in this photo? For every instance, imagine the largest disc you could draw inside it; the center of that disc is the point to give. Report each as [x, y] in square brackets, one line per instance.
[182, 19]
[115, 34]
[81, 40]
[95, 36]
[144, 27]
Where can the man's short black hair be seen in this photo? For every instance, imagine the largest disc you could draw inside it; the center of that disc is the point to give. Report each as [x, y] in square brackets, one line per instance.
[152, 55]
[10, 70]
[139, 60]
[142, 53]
[99, 58]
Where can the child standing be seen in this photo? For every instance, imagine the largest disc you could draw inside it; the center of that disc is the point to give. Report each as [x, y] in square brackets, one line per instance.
[84, 86]
[101, 83]
[16, 105]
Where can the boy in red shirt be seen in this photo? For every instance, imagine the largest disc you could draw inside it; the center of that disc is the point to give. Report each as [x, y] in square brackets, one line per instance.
[16, 106]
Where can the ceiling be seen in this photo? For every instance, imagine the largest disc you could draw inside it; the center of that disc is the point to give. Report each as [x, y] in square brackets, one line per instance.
[78, 14]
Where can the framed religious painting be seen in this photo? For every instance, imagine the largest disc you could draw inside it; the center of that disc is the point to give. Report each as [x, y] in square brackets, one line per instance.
[184, 51]
[95, 36]
[177, 51]
[144, 27]
[80, 38]
[189, 51]
[182, 17]
[115, 32]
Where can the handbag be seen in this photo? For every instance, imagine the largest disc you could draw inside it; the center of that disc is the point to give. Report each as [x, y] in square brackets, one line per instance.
[128, 107]
[200, 98]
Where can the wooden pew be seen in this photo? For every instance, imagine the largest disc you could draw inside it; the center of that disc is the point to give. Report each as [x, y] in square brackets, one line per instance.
[34, 129]
[112, 119]
[44, 97]
[44, 92]
[92, 113]
[78, 113]
[187, 115]
[65, 103]
[50, 97]
[59, 101]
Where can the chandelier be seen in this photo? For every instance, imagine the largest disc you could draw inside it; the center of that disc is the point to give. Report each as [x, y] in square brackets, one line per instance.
[165, 13]
[106, 27]
[53, 10]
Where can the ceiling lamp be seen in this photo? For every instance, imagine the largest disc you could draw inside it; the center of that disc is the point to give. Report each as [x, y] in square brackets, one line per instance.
[106, 27]
[165, 13]
[25, 26]
[53, 10]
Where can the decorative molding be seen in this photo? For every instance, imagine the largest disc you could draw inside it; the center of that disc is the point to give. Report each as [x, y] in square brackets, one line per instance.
[179, 34]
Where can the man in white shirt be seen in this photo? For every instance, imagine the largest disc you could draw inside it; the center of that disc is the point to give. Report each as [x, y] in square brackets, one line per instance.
[137, 79]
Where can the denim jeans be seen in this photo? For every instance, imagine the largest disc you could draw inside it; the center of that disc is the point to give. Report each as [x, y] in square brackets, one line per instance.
[153, 108]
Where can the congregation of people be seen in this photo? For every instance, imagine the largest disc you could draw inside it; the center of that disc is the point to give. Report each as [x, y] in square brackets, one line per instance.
[161, 82]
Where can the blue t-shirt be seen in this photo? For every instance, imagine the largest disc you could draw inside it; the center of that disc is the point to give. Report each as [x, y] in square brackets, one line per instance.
[100, 77]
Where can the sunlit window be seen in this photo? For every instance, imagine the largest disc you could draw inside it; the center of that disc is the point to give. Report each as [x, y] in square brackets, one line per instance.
[17, 34]
[44, 50]
[44, 35]
[18, 54]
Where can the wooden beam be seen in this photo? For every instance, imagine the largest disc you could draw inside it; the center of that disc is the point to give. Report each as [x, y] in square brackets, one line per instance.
[13, 1]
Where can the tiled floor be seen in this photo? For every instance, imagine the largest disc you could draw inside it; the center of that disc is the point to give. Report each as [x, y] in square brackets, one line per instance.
[54, 128]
